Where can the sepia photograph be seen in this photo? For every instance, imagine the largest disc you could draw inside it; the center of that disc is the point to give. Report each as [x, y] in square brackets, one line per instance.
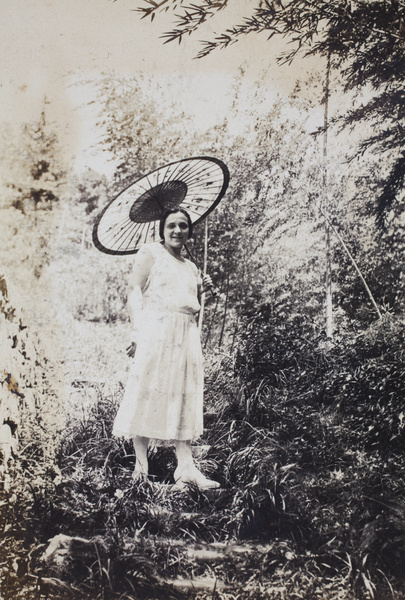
[202, 308]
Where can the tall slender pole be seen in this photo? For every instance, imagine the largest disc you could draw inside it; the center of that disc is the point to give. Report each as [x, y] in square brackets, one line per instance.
[328, 266]
[349, 254]
[360, 274]
[201, 315]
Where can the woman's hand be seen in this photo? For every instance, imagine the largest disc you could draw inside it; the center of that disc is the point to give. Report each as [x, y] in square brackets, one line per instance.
[131, 350]
[207, 283]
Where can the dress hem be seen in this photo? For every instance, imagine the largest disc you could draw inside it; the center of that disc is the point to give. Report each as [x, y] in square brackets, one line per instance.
[130, 436]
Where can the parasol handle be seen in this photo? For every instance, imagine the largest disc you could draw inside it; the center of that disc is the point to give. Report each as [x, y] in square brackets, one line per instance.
[211, 287]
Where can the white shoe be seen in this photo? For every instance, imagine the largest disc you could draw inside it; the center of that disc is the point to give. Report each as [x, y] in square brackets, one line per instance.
[190, 474]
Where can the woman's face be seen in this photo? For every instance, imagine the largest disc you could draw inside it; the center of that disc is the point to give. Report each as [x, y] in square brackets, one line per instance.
[176, 230]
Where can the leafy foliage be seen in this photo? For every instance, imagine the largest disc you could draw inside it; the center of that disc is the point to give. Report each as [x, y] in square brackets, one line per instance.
[311, 468]
[306, 437]
[38, 173]
[133, 122]
[365, 42]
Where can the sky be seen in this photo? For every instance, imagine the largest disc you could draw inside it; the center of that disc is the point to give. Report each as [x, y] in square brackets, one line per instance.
[49, 46]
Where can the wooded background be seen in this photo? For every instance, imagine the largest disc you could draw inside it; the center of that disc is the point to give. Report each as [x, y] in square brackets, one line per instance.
[303, 345]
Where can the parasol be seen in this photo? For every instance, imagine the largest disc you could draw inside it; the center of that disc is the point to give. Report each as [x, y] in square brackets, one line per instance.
[132, 218]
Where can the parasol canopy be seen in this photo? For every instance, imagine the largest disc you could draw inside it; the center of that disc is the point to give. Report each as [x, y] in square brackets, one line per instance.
[132, 218]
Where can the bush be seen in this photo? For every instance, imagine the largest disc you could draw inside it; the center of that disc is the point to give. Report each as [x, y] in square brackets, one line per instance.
[336, 416]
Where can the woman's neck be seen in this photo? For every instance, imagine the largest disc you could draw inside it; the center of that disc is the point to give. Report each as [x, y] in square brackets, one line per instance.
[176, 252]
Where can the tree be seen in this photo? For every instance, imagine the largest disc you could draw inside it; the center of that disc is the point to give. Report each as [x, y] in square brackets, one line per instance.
[35, 179]
[37, 167]
[136, 130]
[265, 244]
[365, 40]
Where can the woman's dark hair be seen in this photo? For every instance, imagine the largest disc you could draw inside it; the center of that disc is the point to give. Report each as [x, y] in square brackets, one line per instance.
[171, 211]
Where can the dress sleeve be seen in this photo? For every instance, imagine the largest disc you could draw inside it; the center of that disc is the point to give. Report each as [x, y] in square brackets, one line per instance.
[139, 276]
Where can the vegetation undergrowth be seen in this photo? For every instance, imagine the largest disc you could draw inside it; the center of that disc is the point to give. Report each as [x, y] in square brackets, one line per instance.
[311, 505]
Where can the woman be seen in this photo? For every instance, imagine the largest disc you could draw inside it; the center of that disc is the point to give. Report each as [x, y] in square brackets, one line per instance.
[163, 399]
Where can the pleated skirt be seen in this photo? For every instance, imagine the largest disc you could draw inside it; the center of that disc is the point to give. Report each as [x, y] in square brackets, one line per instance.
[163, 398]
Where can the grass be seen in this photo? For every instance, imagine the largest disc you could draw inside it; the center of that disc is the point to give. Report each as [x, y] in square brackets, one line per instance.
[311, 503]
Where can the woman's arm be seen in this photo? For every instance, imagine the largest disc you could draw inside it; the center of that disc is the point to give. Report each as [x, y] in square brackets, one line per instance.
[139, 276]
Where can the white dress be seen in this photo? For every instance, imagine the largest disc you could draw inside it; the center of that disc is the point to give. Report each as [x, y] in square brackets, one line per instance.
[163, 398]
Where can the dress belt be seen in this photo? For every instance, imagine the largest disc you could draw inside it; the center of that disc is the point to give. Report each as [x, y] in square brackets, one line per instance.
[183, 311]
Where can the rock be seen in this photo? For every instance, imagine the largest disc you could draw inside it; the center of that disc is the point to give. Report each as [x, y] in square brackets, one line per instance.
[60, 549]
[67, 556]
